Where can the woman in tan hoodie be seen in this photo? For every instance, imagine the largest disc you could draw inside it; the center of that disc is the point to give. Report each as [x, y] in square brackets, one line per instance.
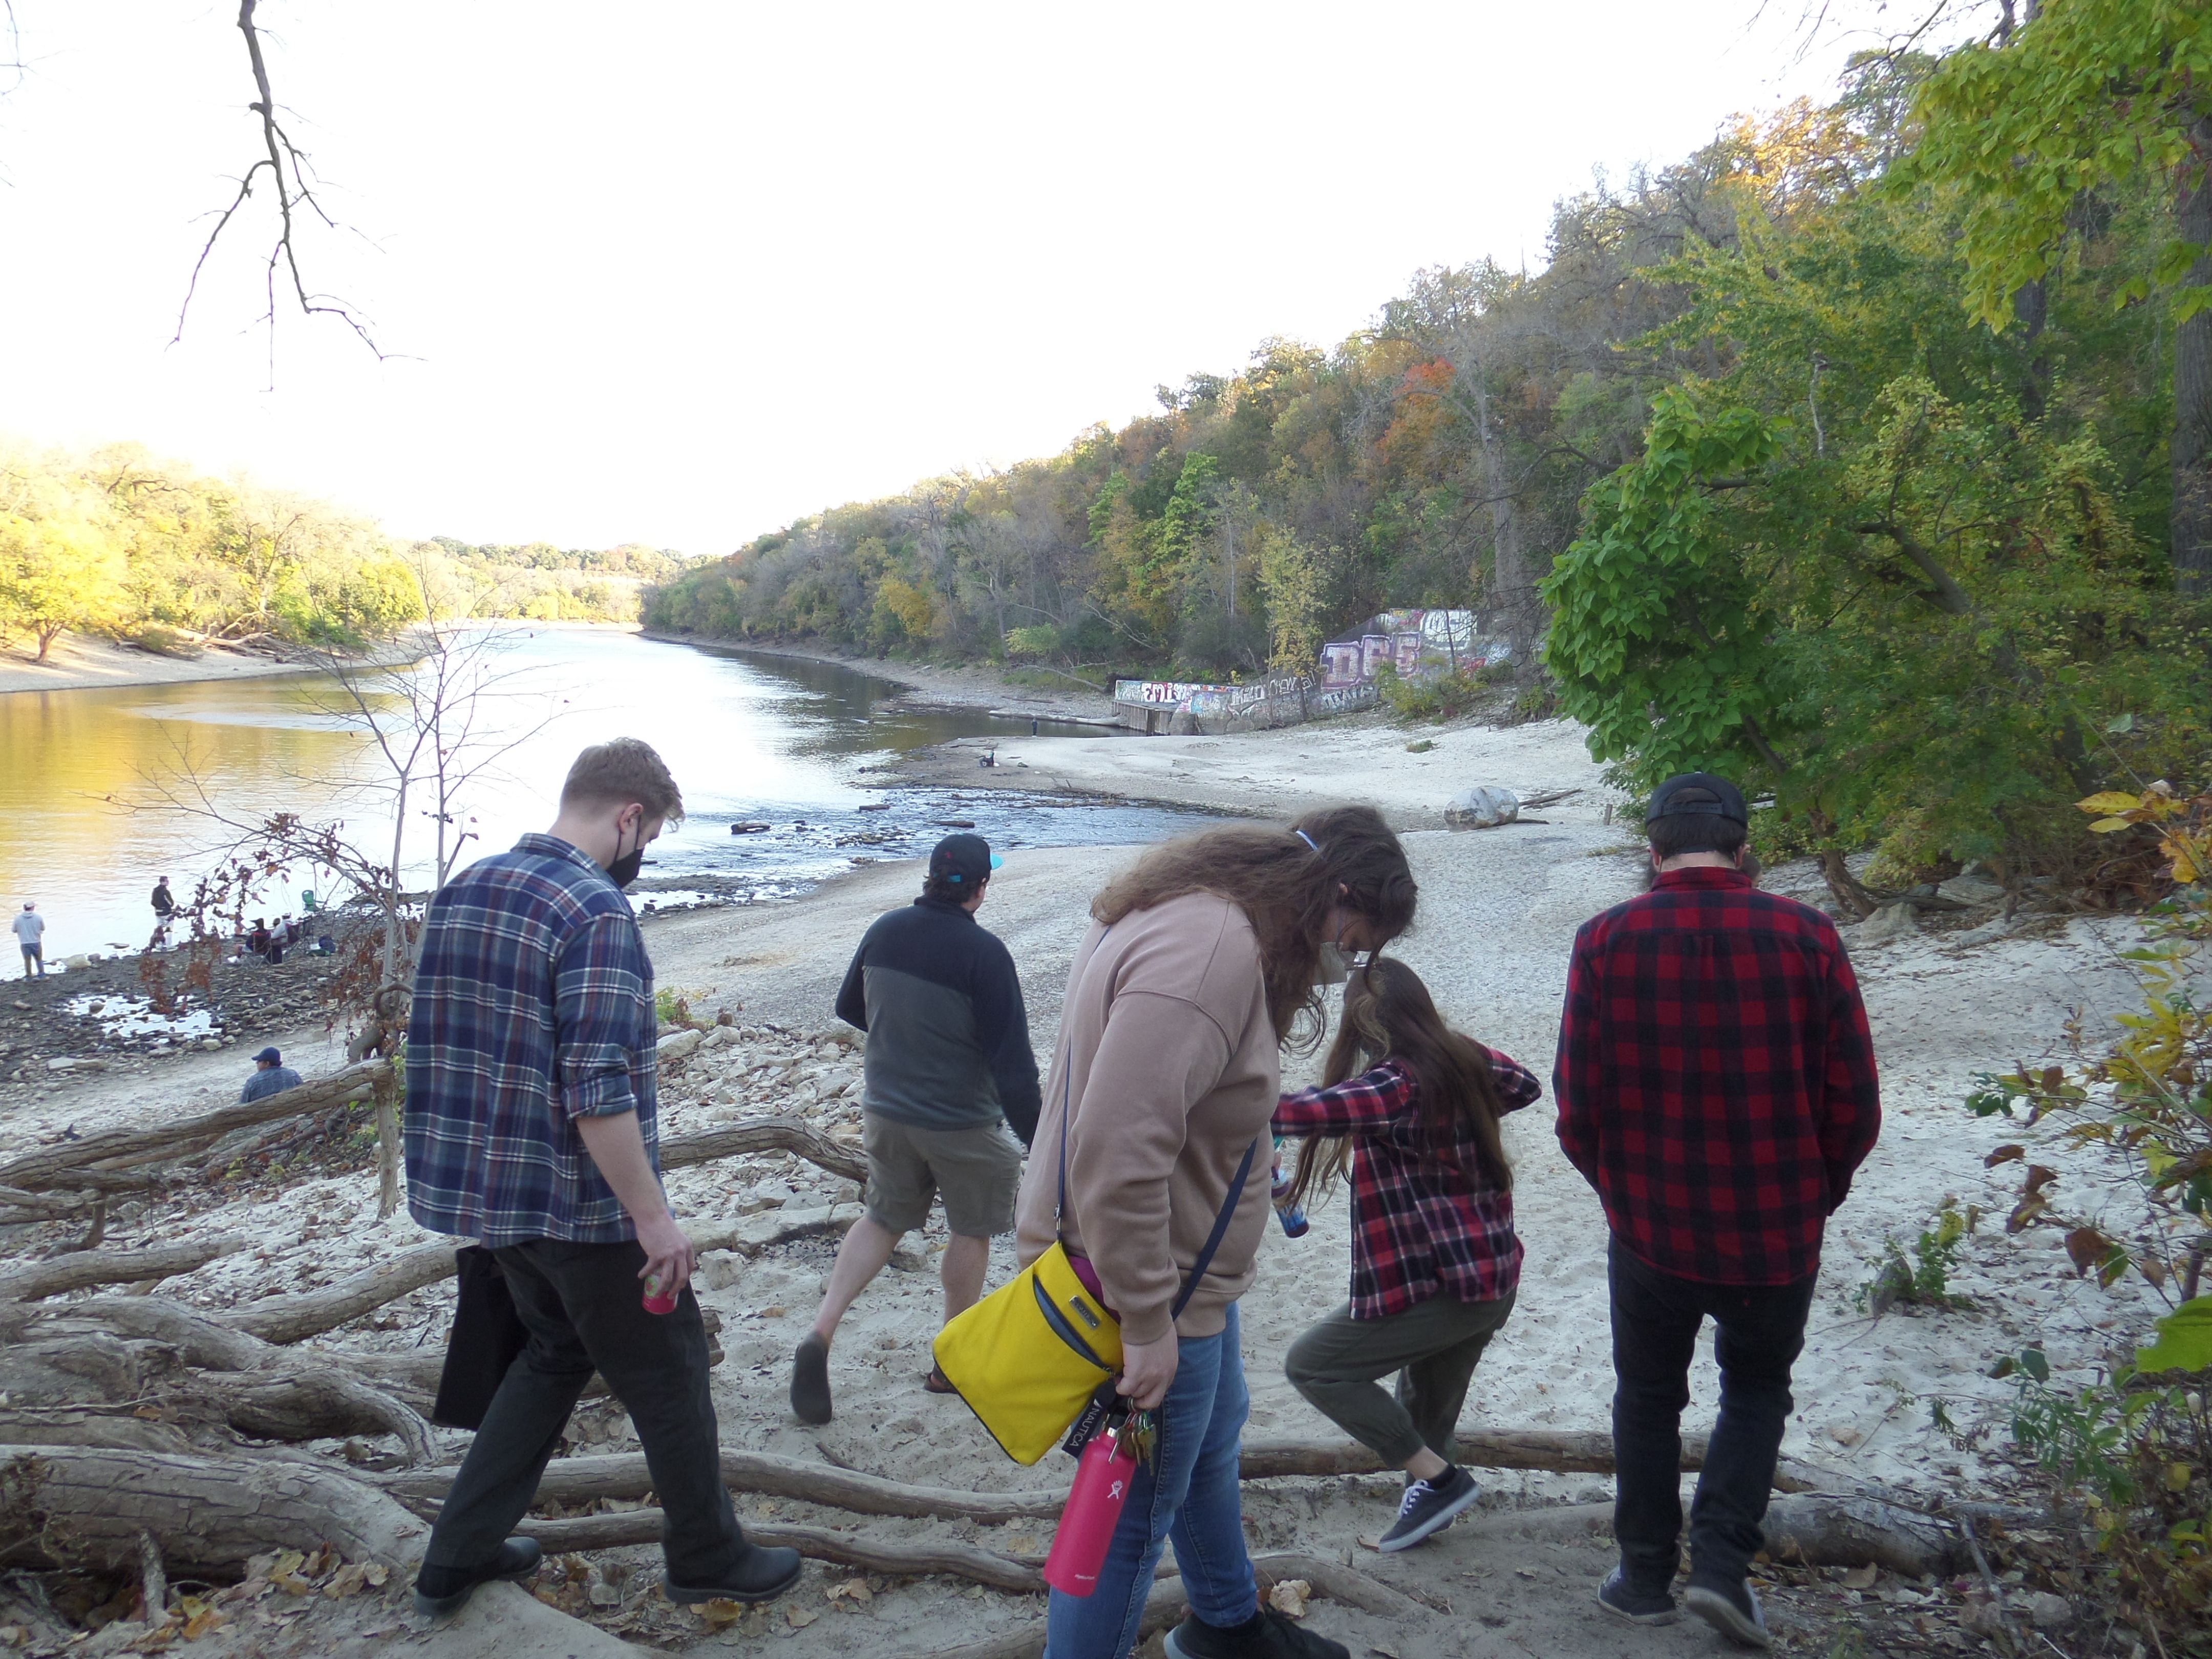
[1204, 960]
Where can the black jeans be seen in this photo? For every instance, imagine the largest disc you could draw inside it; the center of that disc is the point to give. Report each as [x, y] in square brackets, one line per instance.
[1656, 1318]
[582, 1305]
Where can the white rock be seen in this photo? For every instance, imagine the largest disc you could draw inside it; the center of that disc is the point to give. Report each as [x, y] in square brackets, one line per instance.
[676, 1044]
[1483, 807]
[1989, 932]
[718, 1270]
[2043, 1609]
[1972, 890]
[62, 1063]
[1892, 921]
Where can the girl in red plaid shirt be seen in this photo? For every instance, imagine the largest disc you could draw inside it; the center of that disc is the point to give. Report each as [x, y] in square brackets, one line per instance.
[1411, 1109]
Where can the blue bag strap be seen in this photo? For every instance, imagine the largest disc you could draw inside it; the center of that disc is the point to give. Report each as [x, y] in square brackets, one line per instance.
[1213, 1239]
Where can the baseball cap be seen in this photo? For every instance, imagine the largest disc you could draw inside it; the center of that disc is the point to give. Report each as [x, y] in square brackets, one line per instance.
[1696, 794]
[965, 858]
[271, 1054]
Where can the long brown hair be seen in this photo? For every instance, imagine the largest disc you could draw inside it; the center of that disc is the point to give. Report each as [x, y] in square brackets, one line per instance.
[1389, 1014]
[1286, 888]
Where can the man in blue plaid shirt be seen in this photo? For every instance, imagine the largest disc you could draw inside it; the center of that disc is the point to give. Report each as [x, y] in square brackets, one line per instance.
[531, 1130]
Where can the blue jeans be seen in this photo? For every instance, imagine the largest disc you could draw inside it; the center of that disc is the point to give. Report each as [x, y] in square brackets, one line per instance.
[1194, 1498]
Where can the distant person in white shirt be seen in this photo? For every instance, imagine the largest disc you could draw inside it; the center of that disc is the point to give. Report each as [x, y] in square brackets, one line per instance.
[30, 928]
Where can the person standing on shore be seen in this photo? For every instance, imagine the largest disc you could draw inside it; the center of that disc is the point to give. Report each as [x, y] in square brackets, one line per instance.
[165, 911]
[30, 931]
[1201, 962]
[1717, 1086]
[531, 1129]
[1411, 1107]
[948, 1073]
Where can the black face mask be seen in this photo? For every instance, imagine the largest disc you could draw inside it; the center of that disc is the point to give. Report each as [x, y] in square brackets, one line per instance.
[623, 871]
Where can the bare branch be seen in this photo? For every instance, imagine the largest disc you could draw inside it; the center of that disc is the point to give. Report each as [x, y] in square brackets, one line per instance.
[292, 176]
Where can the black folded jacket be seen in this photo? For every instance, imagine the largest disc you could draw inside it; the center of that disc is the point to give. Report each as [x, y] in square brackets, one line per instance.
[488, 1336]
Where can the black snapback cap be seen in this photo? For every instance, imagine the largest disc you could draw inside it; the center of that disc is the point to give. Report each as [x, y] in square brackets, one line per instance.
[1699, 794]
[965, 858]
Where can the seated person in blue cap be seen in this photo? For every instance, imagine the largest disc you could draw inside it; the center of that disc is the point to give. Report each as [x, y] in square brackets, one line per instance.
[271, 1076]
[948, 1071]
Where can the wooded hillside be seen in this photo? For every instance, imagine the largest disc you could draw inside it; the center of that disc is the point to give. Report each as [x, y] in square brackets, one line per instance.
[1842, 455]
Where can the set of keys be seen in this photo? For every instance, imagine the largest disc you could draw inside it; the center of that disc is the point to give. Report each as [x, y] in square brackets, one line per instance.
[1136, 1430]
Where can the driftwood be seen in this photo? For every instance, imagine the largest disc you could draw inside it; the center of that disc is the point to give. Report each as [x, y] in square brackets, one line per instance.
[1570, 1453]
[40, 1206]
[1170, 1601]
[1822, 1531]
[81, 1270]
[624, 1475]
[606, 1532]
[284, 1318]
[114, 1427]
[764, 1134]
[80, 1506]
[94, 1160]
[128, 1348]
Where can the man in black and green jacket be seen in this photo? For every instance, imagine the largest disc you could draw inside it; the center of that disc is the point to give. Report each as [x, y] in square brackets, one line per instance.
[950, 1073]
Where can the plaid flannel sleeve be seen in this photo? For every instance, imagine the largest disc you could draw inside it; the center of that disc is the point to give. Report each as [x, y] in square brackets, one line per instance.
[1851, 1118]
[1363, 1103]
[599, 986]
[1576, 1073]
[1515, 1083]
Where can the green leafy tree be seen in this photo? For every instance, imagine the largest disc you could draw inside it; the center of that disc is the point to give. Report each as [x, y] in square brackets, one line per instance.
[2087, 95]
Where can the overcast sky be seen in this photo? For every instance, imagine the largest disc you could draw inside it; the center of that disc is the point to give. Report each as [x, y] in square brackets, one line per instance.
[680, 274]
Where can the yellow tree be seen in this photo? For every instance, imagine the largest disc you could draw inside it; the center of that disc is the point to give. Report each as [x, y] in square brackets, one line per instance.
[57, 573]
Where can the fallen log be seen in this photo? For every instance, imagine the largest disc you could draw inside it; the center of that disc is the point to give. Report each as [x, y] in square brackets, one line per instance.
[69, 1162]
[115, 1428]
[1170, 1601]
[41, 1206]
[1818, 1530]
[1570, 1453]
[80, 1506]
[624, 1475]
[607, 1532]
[764, 1134]
[81, 1270]
[285, 1318]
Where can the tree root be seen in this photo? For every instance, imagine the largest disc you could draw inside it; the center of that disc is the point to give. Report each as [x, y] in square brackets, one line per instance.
[606, 1532]
[1570, 1453]
[285, 1318]
[624, 1475]
[81, 1506]
[81, 1270]
[764, 1134]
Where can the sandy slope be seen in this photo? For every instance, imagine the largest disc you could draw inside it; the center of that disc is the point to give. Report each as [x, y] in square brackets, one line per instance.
[1497, 916]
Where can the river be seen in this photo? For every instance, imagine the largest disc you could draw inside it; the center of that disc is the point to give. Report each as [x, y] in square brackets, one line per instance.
[752, 739]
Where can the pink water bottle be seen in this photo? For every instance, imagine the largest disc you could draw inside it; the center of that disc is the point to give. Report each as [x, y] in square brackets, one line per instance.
[658, 1301]
[1094, 1508]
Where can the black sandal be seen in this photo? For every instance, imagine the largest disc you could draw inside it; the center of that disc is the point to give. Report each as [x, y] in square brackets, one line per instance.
[936, 1383]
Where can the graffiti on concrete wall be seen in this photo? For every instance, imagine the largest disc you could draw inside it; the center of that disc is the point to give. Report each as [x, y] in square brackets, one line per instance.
[1413, 644]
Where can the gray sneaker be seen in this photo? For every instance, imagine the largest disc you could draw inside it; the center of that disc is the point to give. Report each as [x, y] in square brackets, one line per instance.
[1732, 1609]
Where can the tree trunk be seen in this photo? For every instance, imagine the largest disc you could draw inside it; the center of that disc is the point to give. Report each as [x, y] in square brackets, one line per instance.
[607, 1532]
[388, 1147]
[2191, 519]
[88, 1507]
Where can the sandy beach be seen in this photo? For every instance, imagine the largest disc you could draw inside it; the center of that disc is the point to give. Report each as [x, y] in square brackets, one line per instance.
[1497, 915]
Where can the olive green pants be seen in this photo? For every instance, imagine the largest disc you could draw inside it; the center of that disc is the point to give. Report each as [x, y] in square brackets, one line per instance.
[1433, 1346]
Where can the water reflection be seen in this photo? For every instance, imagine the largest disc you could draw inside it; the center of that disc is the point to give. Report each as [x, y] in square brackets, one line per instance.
[749, 737]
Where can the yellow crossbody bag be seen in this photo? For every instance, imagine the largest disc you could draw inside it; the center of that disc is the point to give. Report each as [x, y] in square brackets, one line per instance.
[1028, 1358]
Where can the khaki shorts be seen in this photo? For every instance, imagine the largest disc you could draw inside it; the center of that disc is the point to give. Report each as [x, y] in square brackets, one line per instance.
[977, 1172]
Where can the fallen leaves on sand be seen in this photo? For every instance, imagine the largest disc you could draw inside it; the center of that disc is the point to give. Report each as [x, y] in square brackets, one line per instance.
[1289, 1597]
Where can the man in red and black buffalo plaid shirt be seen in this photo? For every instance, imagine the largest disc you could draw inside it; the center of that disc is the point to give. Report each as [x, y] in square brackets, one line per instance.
[1717, 1086]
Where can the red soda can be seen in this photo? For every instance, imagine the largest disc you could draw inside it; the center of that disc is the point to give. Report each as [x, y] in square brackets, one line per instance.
[656, 1300]
[1103, 1479]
